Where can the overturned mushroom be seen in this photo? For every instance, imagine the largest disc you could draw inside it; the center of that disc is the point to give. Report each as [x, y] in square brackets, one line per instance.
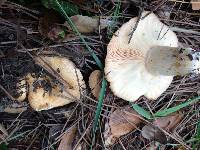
[95, 82]
[58, 95]
[121, 122]
[147, 64]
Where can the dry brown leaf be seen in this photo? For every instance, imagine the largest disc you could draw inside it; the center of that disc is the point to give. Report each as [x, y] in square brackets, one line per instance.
[121, 122]
[67, 139]
[87, 24]
[152, 132]
[195, 4]
[95, 82]
[169, 122]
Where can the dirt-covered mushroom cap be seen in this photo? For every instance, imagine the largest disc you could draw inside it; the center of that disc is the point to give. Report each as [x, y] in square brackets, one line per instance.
[125, 66]
[95, 82]
[58, 96]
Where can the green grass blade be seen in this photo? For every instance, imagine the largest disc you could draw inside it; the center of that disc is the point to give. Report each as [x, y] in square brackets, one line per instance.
[98, 110]
[74, 28]
[69, 8]
[100, 103]
[168, 111]
[141, 111]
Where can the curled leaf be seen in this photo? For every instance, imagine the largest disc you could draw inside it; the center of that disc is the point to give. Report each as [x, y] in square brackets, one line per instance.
[121, 122]
[87, 24]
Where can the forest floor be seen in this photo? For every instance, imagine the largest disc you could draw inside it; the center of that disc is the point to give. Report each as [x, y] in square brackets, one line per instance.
[33, 28]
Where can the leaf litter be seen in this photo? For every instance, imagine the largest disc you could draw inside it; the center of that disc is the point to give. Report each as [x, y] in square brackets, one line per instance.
[52, 36]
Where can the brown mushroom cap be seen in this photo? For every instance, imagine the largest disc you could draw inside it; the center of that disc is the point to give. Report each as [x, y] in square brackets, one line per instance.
[125, 67]
[58, 96]
[95, 82]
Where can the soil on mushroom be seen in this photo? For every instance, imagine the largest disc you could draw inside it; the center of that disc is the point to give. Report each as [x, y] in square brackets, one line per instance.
[21, 40]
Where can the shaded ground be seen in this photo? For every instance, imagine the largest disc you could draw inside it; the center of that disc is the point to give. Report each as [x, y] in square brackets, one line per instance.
[20, 40]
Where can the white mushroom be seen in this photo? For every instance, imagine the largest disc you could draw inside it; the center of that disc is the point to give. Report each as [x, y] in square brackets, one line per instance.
[147, 64]
[39, 99]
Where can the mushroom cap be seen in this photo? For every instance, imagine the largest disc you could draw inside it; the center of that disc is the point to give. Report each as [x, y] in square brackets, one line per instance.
[95, 82]
[58, 96]
[125, 62]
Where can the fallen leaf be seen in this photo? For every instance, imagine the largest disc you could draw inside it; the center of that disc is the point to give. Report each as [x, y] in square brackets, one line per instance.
[121, 122]
[87, 24]
[66, 142]
[168, 123]
[95, 82]
[195, 4]
[152, 132]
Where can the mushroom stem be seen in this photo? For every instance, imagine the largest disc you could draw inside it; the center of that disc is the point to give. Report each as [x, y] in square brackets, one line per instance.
[171, 61]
